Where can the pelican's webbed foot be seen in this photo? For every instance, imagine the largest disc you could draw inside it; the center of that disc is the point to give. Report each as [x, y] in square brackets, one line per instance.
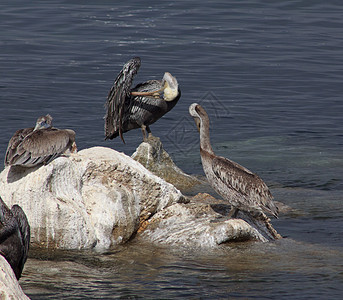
[145, 130]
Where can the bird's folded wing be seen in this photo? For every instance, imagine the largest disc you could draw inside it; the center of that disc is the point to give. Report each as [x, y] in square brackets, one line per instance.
[47, 142]
[15, 141]
[42, 146]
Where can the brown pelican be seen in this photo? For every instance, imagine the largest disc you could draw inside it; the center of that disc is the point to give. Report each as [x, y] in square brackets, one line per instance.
[14, 236]
[243, 189]
[32, 146]
[141, 106]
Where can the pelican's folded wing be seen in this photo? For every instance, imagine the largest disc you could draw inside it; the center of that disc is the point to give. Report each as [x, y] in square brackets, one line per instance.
[15, 141]
[43, 146]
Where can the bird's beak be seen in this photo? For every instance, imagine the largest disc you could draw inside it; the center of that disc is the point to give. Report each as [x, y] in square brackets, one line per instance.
[152, 93]
[197, 123]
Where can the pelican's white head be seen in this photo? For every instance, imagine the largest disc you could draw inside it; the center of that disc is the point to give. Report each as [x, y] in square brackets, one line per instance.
[171, 87]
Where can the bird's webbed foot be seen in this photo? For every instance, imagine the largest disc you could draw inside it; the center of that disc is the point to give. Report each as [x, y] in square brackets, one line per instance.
[146, 133]
[150, 136]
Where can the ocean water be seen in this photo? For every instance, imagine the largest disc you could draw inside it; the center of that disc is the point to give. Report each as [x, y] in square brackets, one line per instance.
[269, 74]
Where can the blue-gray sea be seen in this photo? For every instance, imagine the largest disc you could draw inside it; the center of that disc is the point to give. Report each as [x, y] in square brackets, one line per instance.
[270, 75]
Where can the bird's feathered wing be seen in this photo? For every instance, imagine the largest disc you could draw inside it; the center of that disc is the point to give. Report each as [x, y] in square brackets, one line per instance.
[119, 93]
[24, 228]
[14, 142]
[250, 186]
[14, 236]
[41, 146]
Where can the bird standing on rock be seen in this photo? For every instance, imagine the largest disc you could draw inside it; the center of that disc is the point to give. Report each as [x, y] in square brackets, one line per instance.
[243, 189]
[141, 106]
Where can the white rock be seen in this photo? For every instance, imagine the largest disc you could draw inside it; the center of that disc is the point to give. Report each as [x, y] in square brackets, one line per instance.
[197, 224]
[9, 286]
[152, 156]
[95, 198]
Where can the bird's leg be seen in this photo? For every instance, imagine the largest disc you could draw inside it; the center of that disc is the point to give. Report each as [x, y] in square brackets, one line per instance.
[233, 213]
[149, 131]
[143, 127]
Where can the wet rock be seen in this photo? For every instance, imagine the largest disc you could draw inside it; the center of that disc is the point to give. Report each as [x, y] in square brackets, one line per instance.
[203, 223]
[9, 286]
[152, 156]
[95, 198]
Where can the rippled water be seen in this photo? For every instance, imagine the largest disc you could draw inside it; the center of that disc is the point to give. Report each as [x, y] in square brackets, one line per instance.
[269, 74]
[285, 269]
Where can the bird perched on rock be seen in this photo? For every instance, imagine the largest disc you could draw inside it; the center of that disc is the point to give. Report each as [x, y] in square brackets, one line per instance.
[243, 189]
[30, 147]
[14, 236]
[141, 106]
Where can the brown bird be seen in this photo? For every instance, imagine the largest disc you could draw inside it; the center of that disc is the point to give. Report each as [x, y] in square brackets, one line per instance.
[30, 147]
[14, 236]
[243, 189]
[141, 106]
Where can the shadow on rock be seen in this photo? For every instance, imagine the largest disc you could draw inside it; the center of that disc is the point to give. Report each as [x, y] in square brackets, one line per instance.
[16, 173]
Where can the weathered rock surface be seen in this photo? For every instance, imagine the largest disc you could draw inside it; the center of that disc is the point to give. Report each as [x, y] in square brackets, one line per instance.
[9, 286]
[95, 198]
[100, 198]
[152, 156]
[203, 223]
